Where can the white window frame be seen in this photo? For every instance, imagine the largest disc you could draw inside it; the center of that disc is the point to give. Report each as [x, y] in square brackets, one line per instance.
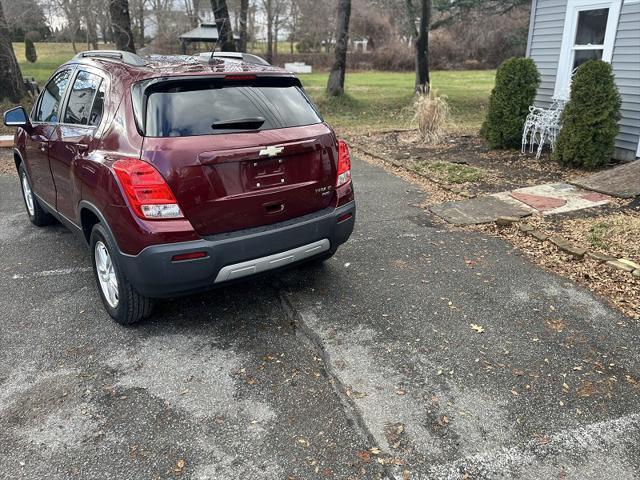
[565, 63]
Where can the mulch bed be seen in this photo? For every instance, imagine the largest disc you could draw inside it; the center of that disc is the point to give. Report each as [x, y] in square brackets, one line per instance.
[503, 169]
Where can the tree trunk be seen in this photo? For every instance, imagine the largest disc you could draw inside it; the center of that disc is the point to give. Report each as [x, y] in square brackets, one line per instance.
[335, 85]
[92, 30]
[11, 83]
[269, 9]
[141, 23]
[293, 24]
[121, 22]
[422, 48]
[223, 23]
[276, 31]
[244, 13]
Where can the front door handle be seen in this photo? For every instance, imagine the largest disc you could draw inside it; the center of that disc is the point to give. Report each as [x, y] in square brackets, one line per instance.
[43, 146]
[82, 147]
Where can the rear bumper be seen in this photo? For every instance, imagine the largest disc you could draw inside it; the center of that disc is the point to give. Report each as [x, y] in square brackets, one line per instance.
[243, 253]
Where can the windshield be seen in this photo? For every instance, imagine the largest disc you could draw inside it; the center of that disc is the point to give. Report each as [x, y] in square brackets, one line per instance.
[188, 109]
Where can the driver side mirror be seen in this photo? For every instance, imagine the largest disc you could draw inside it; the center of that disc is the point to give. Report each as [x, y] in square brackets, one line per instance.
[16, 117]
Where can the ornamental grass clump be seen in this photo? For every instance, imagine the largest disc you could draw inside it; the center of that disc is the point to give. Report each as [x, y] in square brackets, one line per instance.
[517, 81]
[431, 114]
[590, 118]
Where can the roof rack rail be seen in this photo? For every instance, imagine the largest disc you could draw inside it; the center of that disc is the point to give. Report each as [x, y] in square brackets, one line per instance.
[125, 57]
[245, 57]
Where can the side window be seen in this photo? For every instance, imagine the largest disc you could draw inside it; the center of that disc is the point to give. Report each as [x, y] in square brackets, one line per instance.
[52, 97]
[98, 107]
[81, 100]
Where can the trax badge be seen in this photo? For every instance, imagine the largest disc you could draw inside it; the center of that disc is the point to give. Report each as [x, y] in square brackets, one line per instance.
[324, 190]
[271, 151]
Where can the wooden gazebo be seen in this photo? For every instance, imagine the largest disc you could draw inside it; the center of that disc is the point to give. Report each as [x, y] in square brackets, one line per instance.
[206, 33]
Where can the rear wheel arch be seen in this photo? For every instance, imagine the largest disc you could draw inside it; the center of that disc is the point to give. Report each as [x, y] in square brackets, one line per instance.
[88, 219]
[90, 215]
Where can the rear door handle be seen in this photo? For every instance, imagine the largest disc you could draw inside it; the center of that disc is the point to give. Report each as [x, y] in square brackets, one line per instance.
[82, 147]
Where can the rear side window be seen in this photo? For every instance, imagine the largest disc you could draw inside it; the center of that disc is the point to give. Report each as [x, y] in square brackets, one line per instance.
[84, 107]
[52, 96]
[185, 110]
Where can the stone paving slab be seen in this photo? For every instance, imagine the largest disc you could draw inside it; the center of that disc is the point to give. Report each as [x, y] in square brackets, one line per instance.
[622, 181]
[6, 141]
[479, 210]
[545, 199]
[556, 198]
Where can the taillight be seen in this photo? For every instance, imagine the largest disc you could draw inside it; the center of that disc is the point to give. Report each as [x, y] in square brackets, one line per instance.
[147, 192]
[240, 78]
[344, 164]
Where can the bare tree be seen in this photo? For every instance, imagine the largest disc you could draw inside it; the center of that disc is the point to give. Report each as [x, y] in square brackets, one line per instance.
[243, 20]
[223, 23]
[138, 15]
[90, 16]
[104, 23]
[121, 23]
[161, 11]
[273, 11]
[279, 14]
[423, 19]
[268, 6]
[71, 10]
[294, 20]
[11, 83]
[192, 7]
[335, 85]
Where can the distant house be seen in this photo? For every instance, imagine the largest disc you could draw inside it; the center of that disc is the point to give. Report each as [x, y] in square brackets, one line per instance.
[565, 33]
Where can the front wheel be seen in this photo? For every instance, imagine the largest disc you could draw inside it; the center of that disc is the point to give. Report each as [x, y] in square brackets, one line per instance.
[122, 302]
[37, 215]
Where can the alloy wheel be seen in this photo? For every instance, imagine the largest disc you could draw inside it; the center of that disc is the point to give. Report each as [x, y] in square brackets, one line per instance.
[28, 195]
[106, 274]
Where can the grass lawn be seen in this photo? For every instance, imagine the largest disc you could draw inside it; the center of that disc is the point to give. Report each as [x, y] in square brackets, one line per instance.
[374, 100]
[382, 100]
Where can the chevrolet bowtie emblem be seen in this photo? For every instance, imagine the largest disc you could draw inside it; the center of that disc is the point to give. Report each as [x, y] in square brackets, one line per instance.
[271, 151]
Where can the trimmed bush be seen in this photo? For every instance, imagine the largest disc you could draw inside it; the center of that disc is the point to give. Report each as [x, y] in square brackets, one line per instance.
[517, 80]
[590, 118]
[30, 50]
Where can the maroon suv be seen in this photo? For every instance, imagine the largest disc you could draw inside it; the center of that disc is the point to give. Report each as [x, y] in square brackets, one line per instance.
[182, 173]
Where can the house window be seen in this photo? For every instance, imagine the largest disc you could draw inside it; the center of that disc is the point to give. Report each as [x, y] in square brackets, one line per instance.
[590, 33]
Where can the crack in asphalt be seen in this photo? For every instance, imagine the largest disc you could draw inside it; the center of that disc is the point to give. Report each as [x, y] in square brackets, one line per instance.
[311, 338]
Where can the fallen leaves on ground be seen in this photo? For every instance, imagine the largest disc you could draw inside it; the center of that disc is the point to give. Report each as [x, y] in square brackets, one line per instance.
[477, 328]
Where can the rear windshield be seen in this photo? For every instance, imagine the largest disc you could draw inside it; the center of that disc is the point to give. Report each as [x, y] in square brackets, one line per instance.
[188, 108]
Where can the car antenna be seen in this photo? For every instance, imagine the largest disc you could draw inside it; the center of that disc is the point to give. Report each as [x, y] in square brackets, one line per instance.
[217, 39]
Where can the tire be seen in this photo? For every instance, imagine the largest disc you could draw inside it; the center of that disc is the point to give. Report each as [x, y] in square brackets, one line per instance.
[37, 215]
[121, 301]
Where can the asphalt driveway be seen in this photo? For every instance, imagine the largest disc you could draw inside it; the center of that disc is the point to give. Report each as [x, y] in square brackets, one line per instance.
[416, 352]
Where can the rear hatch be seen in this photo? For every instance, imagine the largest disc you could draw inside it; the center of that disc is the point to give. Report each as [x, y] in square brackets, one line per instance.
[239, 153]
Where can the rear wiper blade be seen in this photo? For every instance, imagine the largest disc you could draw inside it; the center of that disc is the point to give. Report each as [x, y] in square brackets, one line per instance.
[249, 123]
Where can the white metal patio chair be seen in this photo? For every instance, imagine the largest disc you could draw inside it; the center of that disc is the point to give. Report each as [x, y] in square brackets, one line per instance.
[542, 126]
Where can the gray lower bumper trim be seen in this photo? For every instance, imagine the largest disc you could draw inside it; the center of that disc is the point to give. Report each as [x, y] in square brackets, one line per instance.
[244, 269]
